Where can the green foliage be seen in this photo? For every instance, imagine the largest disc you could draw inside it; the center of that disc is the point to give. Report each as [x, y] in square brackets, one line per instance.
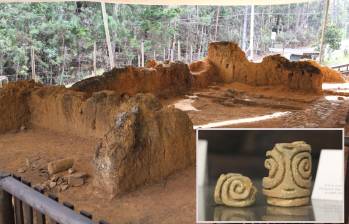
[63, 37]
[333, 37]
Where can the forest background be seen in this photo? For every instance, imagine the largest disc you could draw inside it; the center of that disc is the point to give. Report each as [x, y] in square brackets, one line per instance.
[61, 43]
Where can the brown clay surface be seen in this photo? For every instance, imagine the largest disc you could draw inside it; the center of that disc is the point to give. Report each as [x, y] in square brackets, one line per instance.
[315, 110]
[157, 203]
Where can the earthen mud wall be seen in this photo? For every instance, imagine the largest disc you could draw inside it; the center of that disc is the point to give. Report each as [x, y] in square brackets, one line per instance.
[74, 112]
[140, 140]
[14, 109]
[147, 143]
[233, 66]
[166, 79]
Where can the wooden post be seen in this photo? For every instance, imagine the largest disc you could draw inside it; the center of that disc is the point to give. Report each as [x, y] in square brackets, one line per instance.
[251, 32]
[6, 209]
[94, 58]
[142, 52]
[324, 25]
[107, 36]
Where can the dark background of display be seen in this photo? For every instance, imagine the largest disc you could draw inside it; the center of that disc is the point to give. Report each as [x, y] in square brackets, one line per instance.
[243, 151]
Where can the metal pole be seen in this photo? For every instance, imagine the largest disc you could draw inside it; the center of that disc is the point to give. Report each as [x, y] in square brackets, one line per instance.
[42, 203]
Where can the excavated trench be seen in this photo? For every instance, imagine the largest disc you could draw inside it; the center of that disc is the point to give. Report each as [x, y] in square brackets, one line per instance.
[137, 135]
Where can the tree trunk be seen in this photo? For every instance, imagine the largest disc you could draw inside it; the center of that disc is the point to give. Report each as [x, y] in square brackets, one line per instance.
[107, 36]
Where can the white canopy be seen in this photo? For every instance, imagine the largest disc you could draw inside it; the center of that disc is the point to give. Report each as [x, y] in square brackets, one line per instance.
[182, 2]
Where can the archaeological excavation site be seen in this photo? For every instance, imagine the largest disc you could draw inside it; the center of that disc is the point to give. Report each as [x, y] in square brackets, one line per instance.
[167, 112]
[125, 140]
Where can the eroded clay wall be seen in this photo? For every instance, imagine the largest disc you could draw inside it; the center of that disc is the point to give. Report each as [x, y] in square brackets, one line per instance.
[78, 113]
[147, 143]
[140, 140]
[14, 110]
[168, 79]
[232, 65]
[203, 74]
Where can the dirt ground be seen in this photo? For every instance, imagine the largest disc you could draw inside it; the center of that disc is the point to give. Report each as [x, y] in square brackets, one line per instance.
[278, 107]
[173, 200]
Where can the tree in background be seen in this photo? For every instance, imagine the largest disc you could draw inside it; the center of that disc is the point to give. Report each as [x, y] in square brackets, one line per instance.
[66, 41]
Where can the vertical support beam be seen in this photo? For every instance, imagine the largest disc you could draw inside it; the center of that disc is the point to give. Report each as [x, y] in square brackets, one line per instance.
[179, 57]
[32, 53]
[173, 49]
[107, 36]
[55, 198]
[217, 22]
[18, 211]
[27, 210]
[244, 31]
[191, 53]
[94, 58]
[40, 218]
[6, 209]
[142, 53]
[251, 31]
[324, 25]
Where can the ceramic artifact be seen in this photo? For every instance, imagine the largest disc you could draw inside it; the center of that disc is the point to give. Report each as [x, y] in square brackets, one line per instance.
[234, 190]
[289, 179]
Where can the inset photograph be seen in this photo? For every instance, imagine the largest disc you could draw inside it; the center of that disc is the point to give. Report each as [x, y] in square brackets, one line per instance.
[270, 175]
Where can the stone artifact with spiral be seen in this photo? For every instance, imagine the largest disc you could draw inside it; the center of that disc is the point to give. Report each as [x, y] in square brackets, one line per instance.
[289, 179]
[234, 190]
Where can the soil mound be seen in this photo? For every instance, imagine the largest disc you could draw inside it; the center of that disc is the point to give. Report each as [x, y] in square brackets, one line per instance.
[146, 143]
[233, 66]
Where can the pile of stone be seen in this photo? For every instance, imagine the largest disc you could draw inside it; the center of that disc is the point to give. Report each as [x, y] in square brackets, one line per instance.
[61, 175]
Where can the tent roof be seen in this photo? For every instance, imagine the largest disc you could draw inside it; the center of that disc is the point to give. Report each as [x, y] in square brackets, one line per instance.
[183, 2]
